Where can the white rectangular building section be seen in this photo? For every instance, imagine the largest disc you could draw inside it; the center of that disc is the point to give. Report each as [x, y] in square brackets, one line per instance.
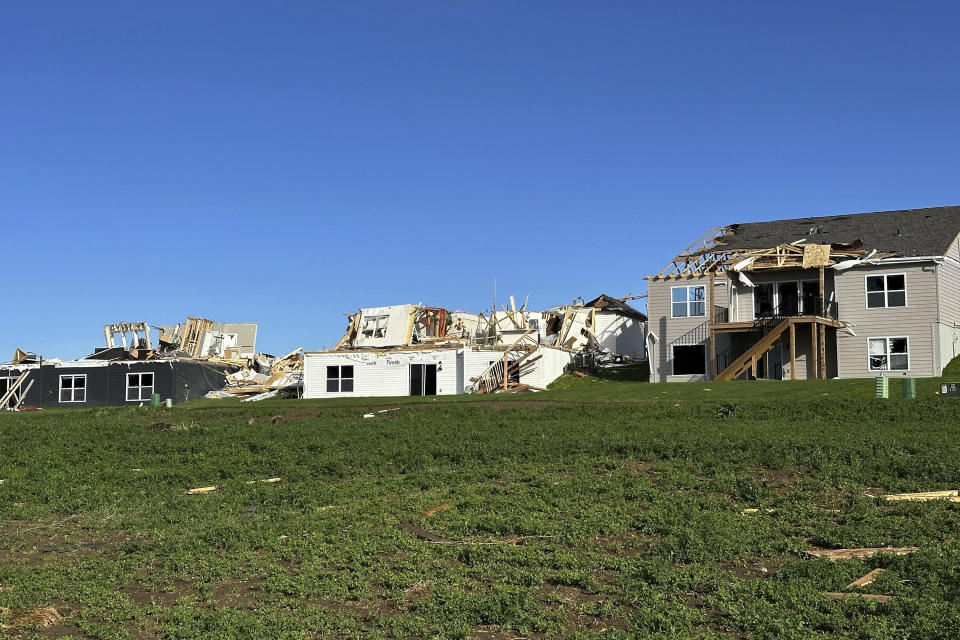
[420, 372]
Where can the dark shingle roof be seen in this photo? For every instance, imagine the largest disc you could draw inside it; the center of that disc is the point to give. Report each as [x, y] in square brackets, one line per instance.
[909, 233]
[603, 301]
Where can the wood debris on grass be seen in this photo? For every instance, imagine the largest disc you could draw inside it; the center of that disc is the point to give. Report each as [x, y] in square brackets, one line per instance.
[374, 414]
[437, 509]
[3, 480]
[845, 554]
[952, 495]
[39, 618]
[267, 480]
[424, 534]
[860, 596]
[193, 492]
[751, 511]
[865, 580]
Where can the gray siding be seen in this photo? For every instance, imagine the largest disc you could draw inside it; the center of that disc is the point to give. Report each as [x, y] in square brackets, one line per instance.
[948, 325]
[916, 321]
[668, 329]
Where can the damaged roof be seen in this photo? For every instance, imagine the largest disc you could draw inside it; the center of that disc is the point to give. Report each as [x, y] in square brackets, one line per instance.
[603, 301]
[908, 233]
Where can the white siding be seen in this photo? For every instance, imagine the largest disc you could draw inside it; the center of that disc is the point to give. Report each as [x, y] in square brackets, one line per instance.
[381, 374]
[621, 334]
[916, 321]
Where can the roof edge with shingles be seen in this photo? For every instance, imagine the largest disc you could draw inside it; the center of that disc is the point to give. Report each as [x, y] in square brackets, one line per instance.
[907, 233]
[603, 301]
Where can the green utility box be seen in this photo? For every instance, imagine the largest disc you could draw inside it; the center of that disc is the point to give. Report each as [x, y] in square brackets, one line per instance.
[882, 387]
[155, 400]
[910, 388]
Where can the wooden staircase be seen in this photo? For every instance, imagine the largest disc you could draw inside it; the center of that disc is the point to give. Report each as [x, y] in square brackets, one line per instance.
[760, 347]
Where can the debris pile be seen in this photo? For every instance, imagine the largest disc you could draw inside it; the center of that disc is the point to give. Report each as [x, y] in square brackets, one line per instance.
[267, 375]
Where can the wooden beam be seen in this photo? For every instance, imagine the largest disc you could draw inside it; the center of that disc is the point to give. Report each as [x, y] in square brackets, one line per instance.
[793, 351]
[712, 364]
[813, 360]
[823, 350]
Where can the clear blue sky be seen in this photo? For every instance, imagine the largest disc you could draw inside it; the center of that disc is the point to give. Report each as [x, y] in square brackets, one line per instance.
[286, 162]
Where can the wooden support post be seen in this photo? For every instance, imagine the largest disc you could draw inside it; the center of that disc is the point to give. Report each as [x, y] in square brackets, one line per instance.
[506, 369]
[813, 361]
[753, 366]
[712, 365]
[823, 350]
[766, 364]
[823, 295]
[793, 351]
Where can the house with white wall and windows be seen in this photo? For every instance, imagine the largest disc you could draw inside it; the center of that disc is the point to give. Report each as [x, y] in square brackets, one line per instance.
[846, 296]
[416, 350]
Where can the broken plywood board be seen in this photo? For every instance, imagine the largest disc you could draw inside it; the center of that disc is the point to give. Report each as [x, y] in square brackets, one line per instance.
[952, 495]
[845, 554]
[199, 490]
[816, 255]
[865, 580]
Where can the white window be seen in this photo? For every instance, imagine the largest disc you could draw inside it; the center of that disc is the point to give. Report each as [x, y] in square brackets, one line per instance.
[888, 354]
[687, 301]
[139, 386]
[340, 378]
[73, 388]
[887, 291]
[375, 326]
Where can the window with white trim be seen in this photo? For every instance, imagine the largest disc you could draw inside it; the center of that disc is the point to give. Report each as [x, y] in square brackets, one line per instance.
[888, 290]
[73, 388]
[687, 301]
[888, 354]
[139, 386]
[340, 378]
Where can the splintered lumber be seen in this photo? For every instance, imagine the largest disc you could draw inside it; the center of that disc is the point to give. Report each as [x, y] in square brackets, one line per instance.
[424, 534]
[269, 480]
[860, 596]
[865, 580]
[193, 492]
[952, 496]
[845, 554]
[437, 509]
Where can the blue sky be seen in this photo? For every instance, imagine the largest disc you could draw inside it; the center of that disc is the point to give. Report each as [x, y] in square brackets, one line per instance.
[287, 162]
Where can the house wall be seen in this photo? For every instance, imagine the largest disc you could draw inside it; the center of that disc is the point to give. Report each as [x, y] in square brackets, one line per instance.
[381, 374]
[948, 319]
[621, 334]
[106, 383]
[917, 321]
[667, 329]
[396, 333]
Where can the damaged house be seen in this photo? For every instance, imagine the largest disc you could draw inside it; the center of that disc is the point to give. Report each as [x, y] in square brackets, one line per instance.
[187, 362]
[422, 351]
[847, 296]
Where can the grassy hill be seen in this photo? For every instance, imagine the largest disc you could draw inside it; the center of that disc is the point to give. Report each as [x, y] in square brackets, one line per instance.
[602, 508]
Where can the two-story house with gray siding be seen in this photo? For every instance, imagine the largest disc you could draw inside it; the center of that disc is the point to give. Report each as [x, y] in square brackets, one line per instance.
[848, 296]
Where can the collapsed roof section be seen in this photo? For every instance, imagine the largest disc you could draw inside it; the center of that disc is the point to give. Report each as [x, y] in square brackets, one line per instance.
[803, 243]
[570, 327]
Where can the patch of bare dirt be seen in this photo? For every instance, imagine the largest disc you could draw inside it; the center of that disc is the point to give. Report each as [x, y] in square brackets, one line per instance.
[233, 594]
[164, 596]
[760, 569]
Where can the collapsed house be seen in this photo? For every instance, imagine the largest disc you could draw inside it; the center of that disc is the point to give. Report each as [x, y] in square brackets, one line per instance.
[421, 351]
[187, 361]
[837, 296]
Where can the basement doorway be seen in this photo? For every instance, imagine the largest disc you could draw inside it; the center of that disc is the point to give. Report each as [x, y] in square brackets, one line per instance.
[423, 379]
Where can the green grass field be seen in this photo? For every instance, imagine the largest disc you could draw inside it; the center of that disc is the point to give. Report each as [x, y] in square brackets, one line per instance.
[602, 508]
